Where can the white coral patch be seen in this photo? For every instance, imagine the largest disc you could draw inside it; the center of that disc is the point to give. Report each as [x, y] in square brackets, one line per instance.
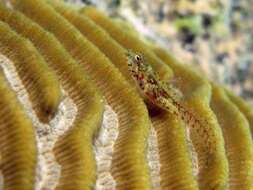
[103, 149]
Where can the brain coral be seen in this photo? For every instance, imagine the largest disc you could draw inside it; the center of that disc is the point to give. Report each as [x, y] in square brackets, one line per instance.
[72, 116]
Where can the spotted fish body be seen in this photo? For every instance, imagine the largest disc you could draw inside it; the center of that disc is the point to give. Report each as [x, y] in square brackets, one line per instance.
[153, 89]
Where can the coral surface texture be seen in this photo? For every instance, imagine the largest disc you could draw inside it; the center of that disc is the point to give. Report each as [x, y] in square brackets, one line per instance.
[87, 103]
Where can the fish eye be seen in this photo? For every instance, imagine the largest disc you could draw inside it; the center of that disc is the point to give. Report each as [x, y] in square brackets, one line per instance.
[137, 57]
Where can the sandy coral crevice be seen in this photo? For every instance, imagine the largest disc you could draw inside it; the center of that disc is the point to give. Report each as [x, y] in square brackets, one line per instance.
[104, 147]
[154, 159]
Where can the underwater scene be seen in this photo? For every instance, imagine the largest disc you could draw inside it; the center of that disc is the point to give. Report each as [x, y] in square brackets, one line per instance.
[126, 95]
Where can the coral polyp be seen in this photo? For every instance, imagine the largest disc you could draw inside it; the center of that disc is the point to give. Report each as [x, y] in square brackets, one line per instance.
[121, 135]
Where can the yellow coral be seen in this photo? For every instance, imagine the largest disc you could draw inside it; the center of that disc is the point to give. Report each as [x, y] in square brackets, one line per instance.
[43, 87]
[84, 95]
[133, 118]
[207, 139]
[243, 106]
[128, 41]
[17, 142]
[238, 143]
[86, 51]
[174, 155]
